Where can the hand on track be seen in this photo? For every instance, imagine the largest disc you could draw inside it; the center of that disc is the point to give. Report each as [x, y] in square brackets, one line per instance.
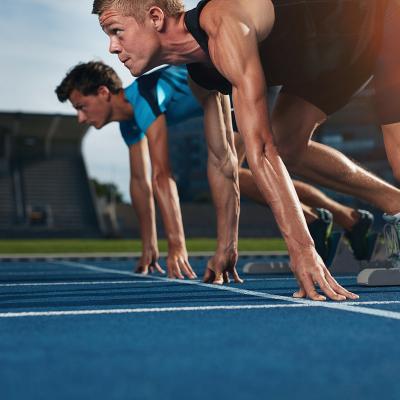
[311, 272]
[178, 265]
[220, 268]
[148, 263]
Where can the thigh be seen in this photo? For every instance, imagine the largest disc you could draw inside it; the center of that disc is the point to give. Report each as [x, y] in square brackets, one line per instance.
[294, 120]
[387, 69]
[391, 136]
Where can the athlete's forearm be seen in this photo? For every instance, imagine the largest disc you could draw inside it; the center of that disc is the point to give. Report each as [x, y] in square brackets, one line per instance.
[143, 204]
[222, 166]
[224, 185]
[222, 170]
[269, 172]
[277, 188]
[166, 194]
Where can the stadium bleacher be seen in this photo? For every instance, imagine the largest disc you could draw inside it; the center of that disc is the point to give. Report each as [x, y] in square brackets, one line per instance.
[45, 190]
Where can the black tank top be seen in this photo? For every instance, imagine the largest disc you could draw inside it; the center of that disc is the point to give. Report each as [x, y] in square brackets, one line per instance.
[310, 41]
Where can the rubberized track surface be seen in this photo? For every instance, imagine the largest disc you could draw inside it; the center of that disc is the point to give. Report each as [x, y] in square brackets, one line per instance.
[93, 329]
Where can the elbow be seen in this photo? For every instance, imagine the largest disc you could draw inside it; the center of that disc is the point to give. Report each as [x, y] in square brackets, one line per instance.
[160, 180]
[226, 164]
[140, 187]
[260, 152]
[395, 165]
[292, 153]
[396, 174]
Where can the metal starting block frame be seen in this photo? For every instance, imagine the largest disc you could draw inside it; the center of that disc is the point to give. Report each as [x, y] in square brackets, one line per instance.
[340, 260]
[380, 270]
[275, 267]
[377, 271]
[382, 273]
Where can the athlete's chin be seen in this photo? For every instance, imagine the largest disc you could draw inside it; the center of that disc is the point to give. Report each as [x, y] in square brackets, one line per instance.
[98, 125]
[137, 70]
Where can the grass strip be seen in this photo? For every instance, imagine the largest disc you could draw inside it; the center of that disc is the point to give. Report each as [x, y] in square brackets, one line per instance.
[34, 246]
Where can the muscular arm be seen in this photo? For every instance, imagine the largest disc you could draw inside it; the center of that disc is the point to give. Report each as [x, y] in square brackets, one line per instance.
[239, 61]
[233, 46]
[166, 194]
[143, 202]
[222, 170]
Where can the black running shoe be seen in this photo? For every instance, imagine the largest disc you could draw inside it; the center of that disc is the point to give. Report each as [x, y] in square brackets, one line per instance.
[320, 231]
[358, 236]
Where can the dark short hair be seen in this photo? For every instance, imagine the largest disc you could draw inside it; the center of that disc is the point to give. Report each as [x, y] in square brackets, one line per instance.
[87, 78]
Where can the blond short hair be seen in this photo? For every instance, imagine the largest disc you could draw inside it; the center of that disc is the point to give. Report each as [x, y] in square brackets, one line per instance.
[138, 8]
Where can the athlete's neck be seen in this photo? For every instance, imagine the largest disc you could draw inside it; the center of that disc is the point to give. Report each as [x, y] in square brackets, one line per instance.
[121, 108]
[179, 46]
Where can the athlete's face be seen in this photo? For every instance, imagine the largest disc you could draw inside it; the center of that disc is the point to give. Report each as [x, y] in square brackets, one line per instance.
[94, 110]
[137, 45]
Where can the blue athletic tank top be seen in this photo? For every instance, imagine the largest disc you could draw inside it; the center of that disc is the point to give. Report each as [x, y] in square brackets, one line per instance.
[162, 91]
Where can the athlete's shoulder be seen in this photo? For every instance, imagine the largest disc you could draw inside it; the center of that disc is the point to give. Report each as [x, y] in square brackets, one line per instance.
[131, 87]
[257, 14]
[174, 72]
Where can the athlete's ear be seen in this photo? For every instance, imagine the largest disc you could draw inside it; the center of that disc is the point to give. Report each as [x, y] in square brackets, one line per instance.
[104, 91]
[157, 18]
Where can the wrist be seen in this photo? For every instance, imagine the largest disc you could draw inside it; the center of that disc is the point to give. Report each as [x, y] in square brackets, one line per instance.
[150, 246]
[296, 247]
[176, 242]
[230, 247]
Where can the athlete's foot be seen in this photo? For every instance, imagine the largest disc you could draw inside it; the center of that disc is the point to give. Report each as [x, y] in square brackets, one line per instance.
[358, 235]
[320, 231]
[391, 231]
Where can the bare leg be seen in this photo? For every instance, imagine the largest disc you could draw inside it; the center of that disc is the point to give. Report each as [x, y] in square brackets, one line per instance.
[344, 216]
[310, 197]
[322, 164]
[249, 189]
[391, 137]
[387, 85]
[338, 172]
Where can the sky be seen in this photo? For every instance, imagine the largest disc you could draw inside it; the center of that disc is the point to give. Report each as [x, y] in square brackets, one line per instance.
[40, 41]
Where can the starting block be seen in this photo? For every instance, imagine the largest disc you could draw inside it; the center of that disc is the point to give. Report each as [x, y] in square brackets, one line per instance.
[277, 265]
[340, 259]
[386, 273]
[380, 270]
[281, 264]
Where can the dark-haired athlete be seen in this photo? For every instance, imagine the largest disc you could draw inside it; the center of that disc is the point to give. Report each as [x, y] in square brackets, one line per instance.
[321, 52]
[145, 110]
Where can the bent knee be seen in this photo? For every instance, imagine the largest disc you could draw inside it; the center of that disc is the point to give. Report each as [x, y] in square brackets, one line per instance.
[292, 153]
[226, 163]
[396, 171]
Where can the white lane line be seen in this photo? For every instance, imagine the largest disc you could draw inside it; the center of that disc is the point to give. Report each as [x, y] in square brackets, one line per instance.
[162, 310]
[335, 306]
[75, 283]
[72, 283]
[372, 302]
[33, 273]
[287, 278]
[146, 310]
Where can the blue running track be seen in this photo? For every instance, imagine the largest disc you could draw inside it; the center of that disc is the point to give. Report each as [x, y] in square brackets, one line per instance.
[92, 329]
